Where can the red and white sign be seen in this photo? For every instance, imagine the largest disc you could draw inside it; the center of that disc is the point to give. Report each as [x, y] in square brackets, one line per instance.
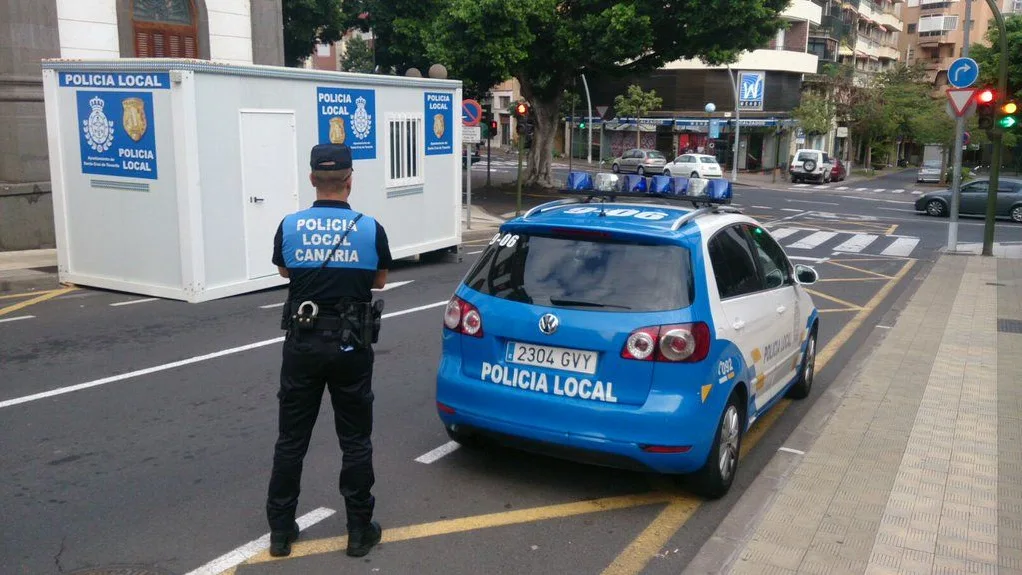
[961, 99]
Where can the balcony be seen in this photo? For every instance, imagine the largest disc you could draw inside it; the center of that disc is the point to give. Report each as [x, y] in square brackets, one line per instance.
[890, 21]
[936, 64]
[831, 27]
[888, 53]
[800, 10]
[769, 60]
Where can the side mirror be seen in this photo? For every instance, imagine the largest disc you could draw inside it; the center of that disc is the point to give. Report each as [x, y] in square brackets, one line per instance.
[806, 275]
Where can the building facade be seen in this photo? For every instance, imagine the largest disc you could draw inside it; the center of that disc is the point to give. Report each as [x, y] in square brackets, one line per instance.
[863, 33]
[935, 32]
[232, 31]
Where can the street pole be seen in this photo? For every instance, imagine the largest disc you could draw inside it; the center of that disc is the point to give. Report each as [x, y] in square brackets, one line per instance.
[996, 135]
[956, 180]
[488, 158]
[571, 124]
[521, 152]
[589, 113]
[738, 121]
[468, 186]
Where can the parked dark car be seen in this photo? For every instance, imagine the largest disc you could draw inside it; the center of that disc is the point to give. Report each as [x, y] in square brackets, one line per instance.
[974, 199]
[838, 172]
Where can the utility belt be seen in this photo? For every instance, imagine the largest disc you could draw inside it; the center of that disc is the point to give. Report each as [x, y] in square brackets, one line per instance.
[356, 324]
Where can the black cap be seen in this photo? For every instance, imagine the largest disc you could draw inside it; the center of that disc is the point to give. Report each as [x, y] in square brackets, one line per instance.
[330, 157]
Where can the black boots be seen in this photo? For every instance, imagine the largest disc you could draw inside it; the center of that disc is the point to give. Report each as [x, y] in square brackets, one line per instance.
[362, 539]
[280, 541]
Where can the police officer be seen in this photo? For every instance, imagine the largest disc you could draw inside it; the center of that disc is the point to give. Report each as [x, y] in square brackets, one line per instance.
[333, 256]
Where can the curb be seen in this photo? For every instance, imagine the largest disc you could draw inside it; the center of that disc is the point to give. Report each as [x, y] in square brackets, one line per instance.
[722, 550]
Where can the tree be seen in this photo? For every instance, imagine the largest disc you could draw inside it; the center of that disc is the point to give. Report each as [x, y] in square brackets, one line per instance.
[545, 44]
[815, 113]
[311, 22]
[358, 56]
[988, 55]
[637, 104]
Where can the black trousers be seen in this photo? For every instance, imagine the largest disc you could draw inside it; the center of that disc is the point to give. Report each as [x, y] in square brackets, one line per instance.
[312, 361]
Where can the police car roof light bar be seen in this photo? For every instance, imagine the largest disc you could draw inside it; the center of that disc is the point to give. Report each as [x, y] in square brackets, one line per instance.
[611, 186]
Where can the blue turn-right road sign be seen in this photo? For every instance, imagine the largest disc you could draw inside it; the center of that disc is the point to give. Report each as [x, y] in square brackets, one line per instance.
[963, 73]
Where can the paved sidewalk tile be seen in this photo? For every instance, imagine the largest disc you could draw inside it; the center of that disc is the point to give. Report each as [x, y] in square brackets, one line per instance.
[919, 469]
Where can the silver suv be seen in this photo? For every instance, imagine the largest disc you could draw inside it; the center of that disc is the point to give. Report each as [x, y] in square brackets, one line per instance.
[811, 165]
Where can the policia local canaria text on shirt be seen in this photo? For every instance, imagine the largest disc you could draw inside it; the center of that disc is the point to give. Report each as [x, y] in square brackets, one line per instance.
[334, 257]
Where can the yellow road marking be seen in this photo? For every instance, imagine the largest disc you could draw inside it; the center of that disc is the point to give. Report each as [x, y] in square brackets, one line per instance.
[634, 558]
[653, 537]
[850, 280]
[26, 294]
[891, 229]
[838, 309]
[833, 299]
[446, 527]
[853, 268]
[885, 259]
[35, 300]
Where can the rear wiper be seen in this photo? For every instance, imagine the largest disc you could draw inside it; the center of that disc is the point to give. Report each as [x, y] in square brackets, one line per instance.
[585, 303]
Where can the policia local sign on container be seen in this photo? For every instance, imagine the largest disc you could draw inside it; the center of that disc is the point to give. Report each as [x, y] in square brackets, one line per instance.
[116, 118]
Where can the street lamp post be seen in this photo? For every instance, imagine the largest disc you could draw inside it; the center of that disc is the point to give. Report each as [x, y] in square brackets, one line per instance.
[709, 108]
[738, 121]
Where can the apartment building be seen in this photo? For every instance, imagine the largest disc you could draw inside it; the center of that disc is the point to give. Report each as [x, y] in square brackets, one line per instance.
[935, 31]
[864, 33]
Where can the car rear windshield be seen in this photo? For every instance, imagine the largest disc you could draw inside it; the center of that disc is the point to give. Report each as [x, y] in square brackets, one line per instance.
[655, 155]
[806, 156]
[931, 164]
[584, 274]
[708, 160]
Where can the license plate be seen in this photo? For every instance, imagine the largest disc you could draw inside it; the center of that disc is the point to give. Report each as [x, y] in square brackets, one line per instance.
[573, 360]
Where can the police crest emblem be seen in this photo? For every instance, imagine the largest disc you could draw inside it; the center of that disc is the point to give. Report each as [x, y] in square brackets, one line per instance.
[133, 118]
[99, 131]
[337, 134]
[439, 127]
[361, 120]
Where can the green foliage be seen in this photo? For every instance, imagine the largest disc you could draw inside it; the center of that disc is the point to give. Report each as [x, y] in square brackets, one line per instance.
[815, 113]
[988, 54]
[637, 104]
[358, 56]
[545, 44]
[311, 22]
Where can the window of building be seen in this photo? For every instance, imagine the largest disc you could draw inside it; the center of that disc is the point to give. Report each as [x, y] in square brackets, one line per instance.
[911, 28]
[165, 29]
[405, 149]
[323, 50]
[950, 23]
[779, 40]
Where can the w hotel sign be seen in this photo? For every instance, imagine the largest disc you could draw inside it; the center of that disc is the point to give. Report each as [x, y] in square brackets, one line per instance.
[751, 87]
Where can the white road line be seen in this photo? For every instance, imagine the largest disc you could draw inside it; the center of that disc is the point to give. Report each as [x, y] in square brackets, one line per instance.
[917, 193]
[474, 253]
[762, 207]
[392, 285]
[784, 232]
[861, 189]
[901, 247]
[253, 548]
[790, 210]
[445, 449]
[898, 191]
[879, 190]
[813, 240]
[133, 301]
[820, 187]
[176, 364]
[804, 259]
[19, 318]
[841, 188]
[790, 450]
[856, 243]
[272, 305]
[801, 185]
[883, 327]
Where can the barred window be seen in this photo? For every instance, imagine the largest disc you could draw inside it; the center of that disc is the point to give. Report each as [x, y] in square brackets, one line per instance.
[165, 29]
[406, 149]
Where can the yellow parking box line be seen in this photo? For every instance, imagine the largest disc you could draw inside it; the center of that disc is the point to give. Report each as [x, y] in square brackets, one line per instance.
[446, 527]
[832, 280]
[25, 294]
[834, 299]
[634, 558]
[860, 270]
[838, 309]
[891, 229]
[38, 299]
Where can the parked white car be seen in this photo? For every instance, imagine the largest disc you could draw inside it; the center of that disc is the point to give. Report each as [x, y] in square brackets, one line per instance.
[694, 166]
[811, 166]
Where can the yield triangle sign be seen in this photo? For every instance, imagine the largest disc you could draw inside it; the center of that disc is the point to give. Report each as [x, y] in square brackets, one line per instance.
[961, 99]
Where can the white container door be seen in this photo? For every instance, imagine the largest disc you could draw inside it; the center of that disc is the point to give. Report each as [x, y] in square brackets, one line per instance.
[269, 176]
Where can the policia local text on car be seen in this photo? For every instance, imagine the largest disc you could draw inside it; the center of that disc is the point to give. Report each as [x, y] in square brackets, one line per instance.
[334, 257]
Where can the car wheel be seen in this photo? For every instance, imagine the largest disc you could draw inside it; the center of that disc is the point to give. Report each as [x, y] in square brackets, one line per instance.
[667, 173]
[640, 171]
[615, 168]
[807, 372]
[936, 208]
[1016, 214]
[715, 478]
[694, 175]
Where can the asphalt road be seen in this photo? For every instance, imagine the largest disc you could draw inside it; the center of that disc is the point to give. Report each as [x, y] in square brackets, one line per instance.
[161, 460]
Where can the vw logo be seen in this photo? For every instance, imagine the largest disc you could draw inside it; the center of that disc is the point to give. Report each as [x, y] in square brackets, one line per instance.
[548, 323]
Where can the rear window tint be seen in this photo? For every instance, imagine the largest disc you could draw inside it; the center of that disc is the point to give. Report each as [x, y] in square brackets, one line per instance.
[806, 156]
[655, 155]
[585, 274]
[707, 160]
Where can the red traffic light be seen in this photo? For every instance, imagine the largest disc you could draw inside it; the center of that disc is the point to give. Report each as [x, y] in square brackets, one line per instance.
[493, 126]
[985, 96]
[521, 109]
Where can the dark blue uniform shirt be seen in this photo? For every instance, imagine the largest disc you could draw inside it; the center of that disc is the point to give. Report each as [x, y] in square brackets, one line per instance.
[305, 239]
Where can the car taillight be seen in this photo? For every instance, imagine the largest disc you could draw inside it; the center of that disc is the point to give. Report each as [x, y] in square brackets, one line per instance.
[463, 317]
[687, 343]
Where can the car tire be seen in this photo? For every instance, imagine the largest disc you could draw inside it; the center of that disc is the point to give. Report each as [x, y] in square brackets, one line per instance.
[667, 173]
[936, 208]
[714, 480]
[694, 175]
[615, 168]
[807, 371]
[640, 171]
[1016, 214]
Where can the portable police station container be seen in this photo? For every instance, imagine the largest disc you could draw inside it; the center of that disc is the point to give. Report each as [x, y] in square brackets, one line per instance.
[170, 176]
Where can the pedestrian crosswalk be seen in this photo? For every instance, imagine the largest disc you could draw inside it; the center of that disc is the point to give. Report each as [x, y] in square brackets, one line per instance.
[798, 240]
[500, 165]
[857, 189]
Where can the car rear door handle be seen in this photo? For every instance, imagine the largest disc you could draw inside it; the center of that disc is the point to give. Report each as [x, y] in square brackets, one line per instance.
[738, 324]
[781, 309]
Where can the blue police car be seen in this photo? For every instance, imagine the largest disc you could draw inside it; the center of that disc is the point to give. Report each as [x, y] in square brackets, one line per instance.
[641, 334]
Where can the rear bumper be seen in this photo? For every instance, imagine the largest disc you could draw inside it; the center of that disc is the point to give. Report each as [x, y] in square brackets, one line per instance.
[592, 432]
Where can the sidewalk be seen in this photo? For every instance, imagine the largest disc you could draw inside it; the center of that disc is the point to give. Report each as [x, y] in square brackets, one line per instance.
[761, 180]
[910, 462]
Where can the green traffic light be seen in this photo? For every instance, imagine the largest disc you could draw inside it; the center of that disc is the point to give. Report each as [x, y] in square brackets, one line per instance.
[1007, 122]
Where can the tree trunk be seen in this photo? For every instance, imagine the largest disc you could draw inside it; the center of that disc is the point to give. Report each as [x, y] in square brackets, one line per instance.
[638, 134]
[540, 155]
[869, 156]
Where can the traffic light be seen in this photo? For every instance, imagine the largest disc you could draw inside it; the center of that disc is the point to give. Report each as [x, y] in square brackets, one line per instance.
[1006, 115]
[522, 110]
[582, 125]
[985, 100]
[493, 127]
